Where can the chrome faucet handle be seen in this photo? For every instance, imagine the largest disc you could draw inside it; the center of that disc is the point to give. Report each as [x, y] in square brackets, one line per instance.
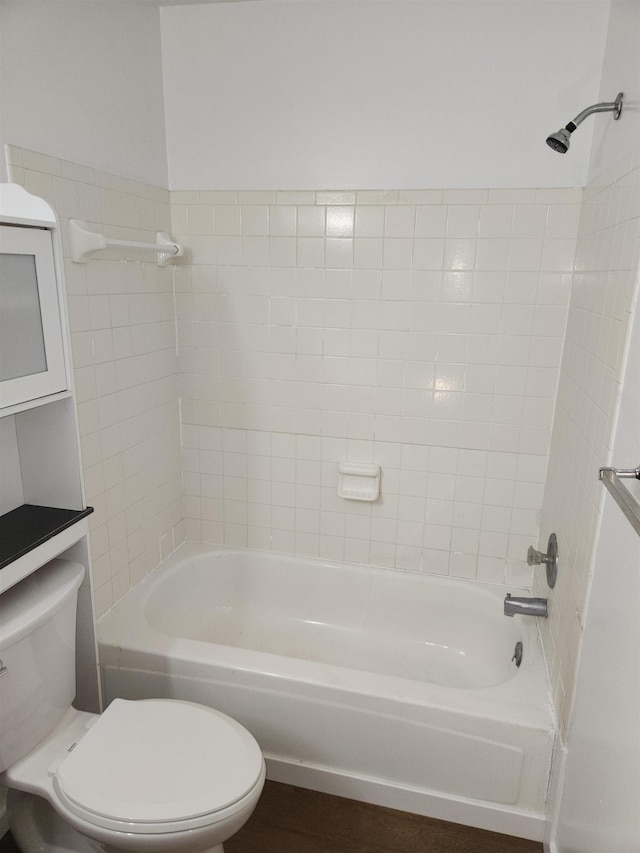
[535, 558]
[550, 559]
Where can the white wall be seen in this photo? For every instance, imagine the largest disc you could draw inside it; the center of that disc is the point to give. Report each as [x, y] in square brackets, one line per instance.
[605, 276]
[616, 145]
[421, 102]
[602, 790]
[598, 809]
[123, 340]
[83, 82]
[342, 95]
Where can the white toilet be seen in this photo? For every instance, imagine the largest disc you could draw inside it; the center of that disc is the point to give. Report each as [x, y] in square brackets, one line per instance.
[149, 775]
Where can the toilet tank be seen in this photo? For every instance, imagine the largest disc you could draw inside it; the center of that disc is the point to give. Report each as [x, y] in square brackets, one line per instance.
[37, 656]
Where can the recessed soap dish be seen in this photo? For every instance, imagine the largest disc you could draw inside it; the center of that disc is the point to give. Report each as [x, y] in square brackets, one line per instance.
[358, 481]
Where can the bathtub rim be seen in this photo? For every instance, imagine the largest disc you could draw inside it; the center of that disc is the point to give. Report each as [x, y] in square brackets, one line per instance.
[525, 697]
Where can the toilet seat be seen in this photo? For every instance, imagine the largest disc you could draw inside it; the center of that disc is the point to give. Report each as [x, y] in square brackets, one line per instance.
[158, 766]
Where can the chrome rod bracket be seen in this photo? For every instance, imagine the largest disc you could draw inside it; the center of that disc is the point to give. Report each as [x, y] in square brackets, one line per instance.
[629, 473]
[628, 503]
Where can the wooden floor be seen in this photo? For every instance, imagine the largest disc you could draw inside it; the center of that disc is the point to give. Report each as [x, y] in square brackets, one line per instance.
[8, 845]
[299, 821]
[293, 820]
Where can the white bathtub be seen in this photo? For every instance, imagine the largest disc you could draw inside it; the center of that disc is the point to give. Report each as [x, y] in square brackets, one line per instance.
[390, 687]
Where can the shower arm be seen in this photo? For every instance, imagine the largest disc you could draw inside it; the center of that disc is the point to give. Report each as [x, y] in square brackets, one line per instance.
[614, 107]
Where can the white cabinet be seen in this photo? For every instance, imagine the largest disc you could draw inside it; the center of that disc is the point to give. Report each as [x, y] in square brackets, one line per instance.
[42, 509]
[32, 361]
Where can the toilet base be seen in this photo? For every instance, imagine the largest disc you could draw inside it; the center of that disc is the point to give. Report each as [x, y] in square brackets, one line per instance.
[37, 828]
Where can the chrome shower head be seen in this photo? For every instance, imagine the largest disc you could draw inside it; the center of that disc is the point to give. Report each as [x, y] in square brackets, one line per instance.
[560, 141]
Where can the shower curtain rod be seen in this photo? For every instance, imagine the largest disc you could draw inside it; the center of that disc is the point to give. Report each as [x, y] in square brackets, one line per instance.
[84, 242]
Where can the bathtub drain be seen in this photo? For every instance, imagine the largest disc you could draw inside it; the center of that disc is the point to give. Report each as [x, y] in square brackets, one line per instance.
[517, 654]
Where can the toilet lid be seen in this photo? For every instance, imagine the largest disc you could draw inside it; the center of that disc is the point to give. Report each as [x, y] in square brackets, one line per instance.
[160, 761]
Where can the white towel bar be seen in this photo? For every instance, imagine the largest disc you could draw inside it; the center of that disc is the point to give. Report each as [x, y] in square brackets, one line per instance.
[84, 242]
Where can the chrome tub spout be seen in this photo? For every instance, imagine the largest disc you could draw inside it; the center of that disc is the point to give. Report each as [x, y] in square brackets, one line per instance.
[525, 606]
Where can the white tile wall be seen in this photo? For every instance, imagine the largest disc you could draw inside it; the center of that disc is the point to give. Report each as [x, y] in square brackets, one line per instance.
[421, 330]
[606, 280]
[122, 324]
